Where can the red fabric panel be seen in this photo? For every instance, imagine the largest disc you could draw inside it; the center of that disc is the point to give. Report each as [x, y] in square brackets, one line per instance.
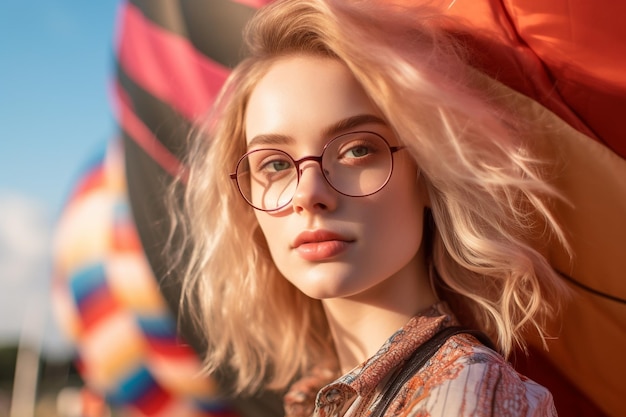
[124, 239]
[94, 178]
[253, 3]
[583, 46]
[154, 401]
[167, 65]
[135, 128]
[569, 55]
[568, 399]
[172, 349]
[97, 308]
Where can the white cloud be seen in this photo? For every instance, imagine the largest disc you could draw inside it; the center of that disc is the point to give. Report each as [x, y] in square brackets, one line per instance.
[25, 234]
[26, 228]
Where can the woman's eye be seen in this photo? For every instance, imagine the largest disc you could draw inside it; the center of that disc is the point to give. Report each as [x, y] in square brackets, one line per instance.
[357, 151]
[275, 165]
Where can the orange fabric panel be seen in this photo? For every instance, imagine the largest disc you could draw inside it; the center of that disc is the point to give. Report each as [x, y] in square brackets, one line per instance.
[590, 336]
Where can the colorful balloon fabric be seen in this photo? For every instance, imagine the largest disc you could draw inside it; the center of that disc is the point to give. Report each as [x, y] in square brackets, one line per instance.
[565, 58]
[109, 303]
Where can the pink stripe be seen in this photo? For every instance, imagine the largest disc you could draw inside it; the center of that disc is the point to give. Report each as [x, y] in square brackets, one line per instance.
[253, 3]
[142, 135]
[167, 65]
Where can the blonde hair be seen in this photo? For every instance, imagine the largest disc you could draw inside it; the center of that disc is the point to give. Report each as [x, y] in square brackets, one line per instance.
[486, 194]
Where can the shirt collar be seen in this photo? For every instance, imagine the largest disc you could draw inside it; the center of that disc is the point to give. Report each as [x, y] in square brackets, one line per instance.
[367, 376]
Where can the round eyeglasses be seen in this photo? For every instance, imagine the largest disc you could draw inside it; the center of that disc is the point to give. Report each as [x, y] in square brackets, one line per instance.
[355, 164]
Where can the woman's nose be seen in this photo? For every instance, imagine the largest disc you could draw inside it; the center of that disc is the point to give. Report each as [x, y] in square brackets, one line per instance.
[313, 192]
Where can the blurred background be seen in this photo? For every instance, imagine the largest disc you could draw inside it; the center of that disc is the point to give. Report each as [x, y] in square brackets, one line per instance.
[55, 116]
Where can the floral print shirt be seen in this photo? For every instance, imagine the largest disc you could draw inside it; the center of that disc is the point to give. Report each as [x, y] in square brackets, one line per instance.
[464, 378]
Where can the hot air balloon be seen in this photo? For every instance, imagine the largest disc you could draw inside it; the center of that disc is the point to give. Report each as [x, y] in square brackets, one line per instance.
[564, 58]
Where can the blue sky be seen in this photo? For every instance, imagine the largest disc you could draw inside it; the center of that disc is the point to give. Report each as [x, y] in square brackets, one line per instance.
[54, 107]
[56, 60]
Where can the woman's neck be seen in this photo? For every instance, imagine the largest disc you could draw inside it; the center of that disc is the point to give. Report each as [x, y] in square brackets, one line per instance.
[362, 323]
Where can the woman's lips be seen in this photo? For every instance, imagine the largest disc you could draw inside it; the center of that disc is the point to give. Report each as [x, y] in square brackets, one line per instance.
[319, 245]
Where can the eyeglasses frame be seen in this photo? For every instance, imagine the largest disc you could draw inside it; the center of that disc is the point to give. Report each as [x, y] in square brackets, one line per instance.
[318, 159]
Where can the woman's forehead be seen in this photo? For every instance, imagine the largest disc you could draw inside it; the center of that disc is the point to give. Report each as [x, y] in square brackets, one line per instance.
[305, 93]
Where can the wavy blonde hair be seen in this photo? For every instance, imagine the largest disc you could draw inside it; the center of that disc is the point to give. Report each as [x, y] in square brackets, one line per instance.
[487, 195]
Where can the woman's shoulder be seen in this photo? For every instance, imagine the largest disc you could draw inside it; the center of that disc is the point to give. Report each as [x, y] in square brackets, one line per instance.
[477, 381]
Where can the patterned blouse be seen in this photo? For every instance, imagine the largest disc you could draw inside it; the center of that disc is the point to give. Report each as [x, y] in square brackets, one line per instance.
[464, 378]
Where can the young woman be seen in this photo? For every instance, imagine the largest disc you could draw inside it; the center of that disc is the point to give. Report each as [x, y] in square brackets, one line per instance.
[356, 190]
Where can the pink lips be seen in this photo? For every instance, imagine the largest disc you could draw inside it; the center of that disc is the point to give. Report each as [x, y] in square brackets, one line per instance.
[319, 245]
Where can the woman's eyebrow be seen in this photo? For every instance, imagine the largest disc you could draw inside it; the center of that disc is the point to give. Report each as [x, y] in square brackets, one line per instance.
[270, 139]
[332, 130]
[352, 122]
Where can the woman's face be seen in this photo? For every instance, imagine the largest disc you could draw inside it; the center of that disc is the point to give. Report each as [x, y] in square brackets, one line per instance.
[327, 244]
